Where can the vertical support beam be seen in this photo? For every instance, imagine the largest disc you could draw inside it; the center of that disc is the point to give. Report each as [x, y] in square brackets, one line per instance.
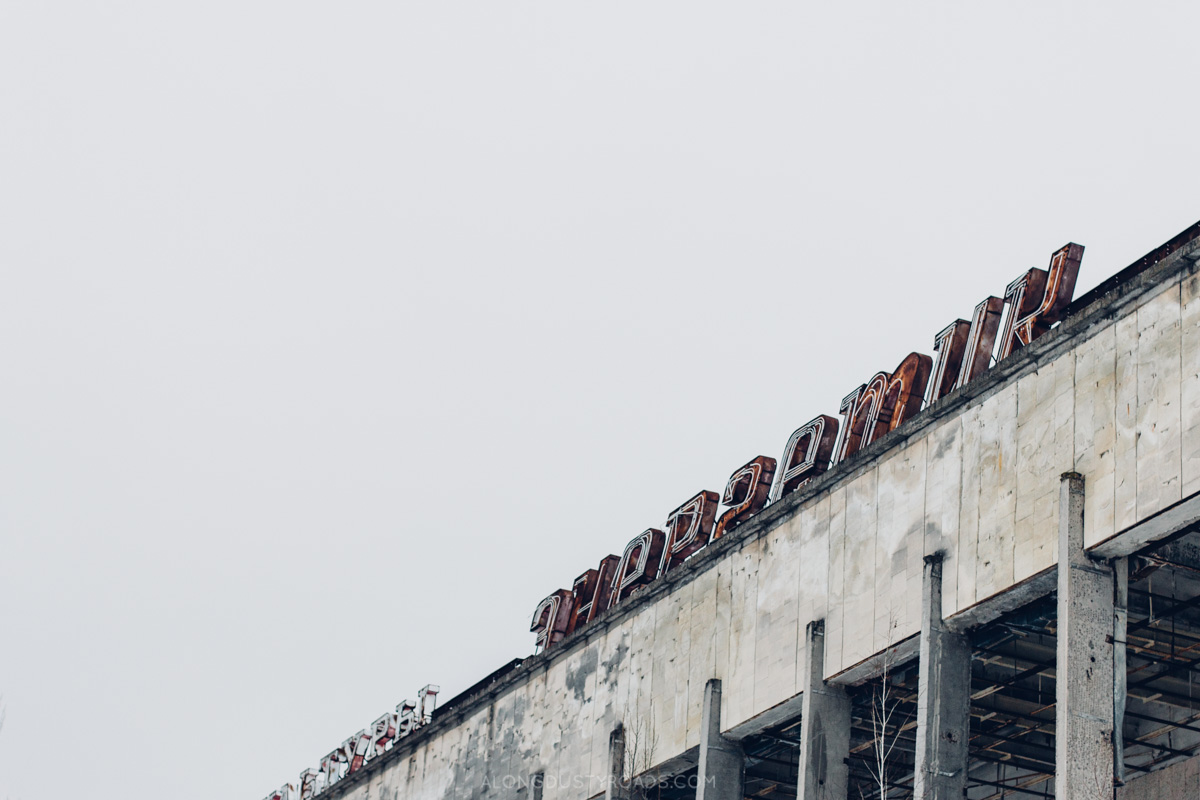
[1120, 671]
[614, 787]
[1083, 718]
[943, 698]
[722, 762]
[825, 726]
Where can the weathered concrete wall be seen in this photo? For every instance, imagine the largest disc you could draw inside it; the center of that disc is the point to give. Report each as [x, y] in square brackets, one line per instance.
[1177, 782]
[1113, 394]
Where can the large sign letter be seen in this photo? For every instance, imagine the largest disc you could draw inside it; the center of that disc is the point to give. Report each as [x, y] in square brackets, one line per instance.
[949, 344]
[591, 591]
[309, 785]
[406, 718]
[965, 349]
[1038, 298]
[427, 702]
[383, 732]
[887, 402]
[985, 322]
[905, 390]
[638, 565]
[846, 409]
[746, 493]
[331, 765]
[357, 747]
[806, 455]
[688, 529]
[551, 618]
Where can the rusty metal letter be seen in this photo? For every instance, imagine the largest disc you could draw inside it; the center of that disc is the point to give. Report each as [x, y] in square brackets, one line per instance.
[905, 391]
[806, 455]
[550, 620]
[887, 402]
[638, 565]
[985, 322]
[406, 717]
[309, 783]
[1038, 299]
[356, 748]
[746, 493]
[965, 349]
[846, 409]
[331, 766]
[426, 703]
[950, 344]
[383, 733]
[591, 591]
[688, 529]
[861, 423]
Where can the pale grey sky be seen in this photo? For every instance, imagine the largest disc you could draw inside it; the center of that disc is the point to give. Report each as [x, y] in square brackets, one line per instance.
[334, 336]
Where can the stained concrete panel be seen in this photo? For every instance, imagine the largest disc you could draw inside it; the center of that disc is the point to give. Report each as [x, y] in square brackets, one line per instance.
[739, 705]
[943, 491]
[858, 600]
[778, 611]
[1189, 359]
[1095, 425]
[1159, 465]
[835, 615]
[1176, 782]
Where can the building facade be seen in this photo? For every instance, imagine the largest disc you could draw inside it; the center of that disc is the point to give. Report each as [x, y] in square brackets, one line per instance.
[994, 595]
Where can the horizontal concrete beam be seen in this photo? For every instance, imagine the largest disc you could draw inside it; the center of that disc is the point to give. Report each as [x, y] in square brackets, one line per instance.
[899, 653]
[1171, 521]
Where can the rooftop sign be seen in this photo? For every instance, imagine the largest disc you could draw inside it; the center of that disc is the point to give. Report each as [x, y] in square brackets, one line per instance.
[964, 350]
[364, 746]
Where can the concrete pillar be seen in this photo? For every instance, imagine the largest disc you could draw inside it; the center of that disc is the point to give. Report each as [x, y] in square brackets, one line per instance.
[1120, 671]
[722, 763]
[824, 728]
[943, 698]
[1084, 673]
[614, 786]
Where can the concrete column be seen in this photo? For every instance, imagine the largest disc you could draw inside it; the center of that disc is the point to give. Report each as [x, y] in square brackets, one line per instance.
[722, 763]
[1120, 671]
[1084, 673]
[825, 726]
[943, 698]
[614, 786]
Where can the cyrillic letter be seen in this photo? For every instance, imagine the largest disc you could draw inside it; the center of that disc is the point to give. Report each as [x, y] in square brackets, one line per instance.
[426, 703]
[886, 403]
[551, 618]
[688, 529]
[846, 409]
[638, 565]
[746, 493]
[383, 732]
[985, 321]
[356, 750]
[406, 718]
[1038, 298]
[591, 591]
[309, 783]
[806, 455]
[949, 344]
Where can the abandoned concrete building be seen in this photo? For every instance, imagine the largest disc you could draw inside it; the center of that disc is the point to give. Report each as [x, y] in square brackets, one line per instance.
[998, 598]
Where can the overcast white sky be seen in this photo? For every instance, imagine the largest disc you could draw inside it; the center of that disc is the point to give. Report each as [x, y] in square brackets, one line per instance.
[334, 336]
